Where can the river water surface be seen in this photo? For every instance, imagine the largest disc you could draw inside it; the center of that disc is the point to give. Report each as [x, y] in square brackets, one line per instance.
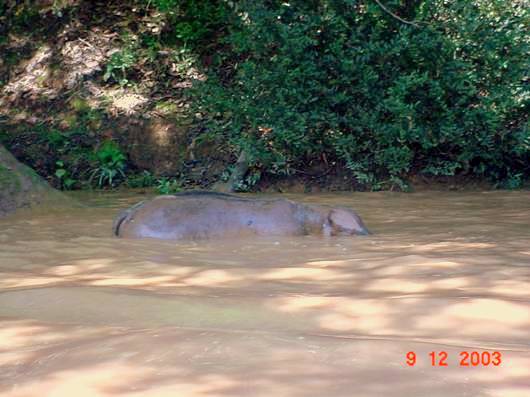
[444, 275]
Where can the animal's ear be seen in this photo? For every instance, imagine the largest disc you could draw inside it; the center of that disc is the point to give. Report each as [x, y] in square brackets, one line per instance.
[344, 221]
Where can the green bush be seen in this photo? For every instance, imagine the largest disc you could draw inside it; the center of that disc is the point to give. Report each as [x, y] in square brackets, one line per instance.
[168, 186]
[62, 156]
[66, 181]
[111, 165]
[343, 83]
[193, 22]
[119, 64]
[143, 179]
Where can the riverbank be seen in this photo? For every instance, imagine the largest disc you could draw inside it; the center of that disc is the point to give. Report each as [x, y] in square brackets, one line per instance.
[98, 94]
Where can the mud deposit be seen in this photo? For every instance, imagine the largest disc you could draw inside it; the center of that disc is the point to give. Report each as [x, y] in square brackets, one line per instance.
[85, 314]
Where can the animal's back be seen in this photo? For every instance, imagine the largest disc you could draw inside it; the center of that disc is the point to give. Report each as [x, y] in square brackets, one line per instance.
[198, 215]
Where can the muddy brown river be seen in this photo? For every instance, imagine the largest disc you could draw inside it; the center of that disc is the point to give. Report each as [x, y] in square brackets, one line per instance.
[435, 303]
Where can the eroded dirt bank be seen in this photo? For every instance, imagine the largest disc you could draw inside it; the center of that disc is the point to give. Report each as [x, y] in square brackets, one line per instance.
[84, 313]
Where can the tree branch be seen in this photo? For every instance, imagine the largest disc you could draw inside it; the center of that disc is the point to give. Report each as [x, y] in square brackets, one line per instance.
[394, 15]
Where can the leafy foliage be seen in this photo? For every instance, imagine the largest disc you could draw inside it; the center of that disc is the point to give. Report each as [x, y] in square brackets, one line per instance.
[111, 165]
[143, 179]
[342, 82]
[192, 22]
[317, 85]
[121, 62]
[168, 186]
[63, 175]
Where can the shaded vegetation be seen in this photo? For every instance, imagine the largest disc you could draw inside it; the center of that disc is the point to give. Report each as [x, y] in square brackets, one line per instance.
[342, 83]
[373, 93]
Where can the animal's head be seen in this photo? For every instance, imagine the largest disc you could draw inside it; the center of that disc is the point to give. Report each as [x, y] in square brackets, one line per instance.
[345, 222]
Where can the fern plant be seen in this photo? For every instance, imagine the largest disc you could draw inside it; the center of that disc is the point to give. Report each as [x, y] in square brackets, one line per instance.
[111, 166]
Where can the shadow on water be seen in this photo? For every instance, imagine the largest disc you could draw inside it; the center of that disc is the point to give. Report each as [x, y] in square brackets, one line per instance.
[84, 312]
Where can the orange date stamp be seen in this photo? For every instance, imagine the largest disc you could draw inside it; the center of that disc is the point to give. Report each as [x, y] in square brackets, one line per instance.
[467, 359]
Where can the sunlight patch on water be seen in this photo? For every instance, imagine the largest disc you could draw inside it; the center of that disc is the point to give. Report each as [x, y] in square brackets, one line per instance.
[397, 286]
[486, 318]
[509, 313]
[212, 278]
[305, 273]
